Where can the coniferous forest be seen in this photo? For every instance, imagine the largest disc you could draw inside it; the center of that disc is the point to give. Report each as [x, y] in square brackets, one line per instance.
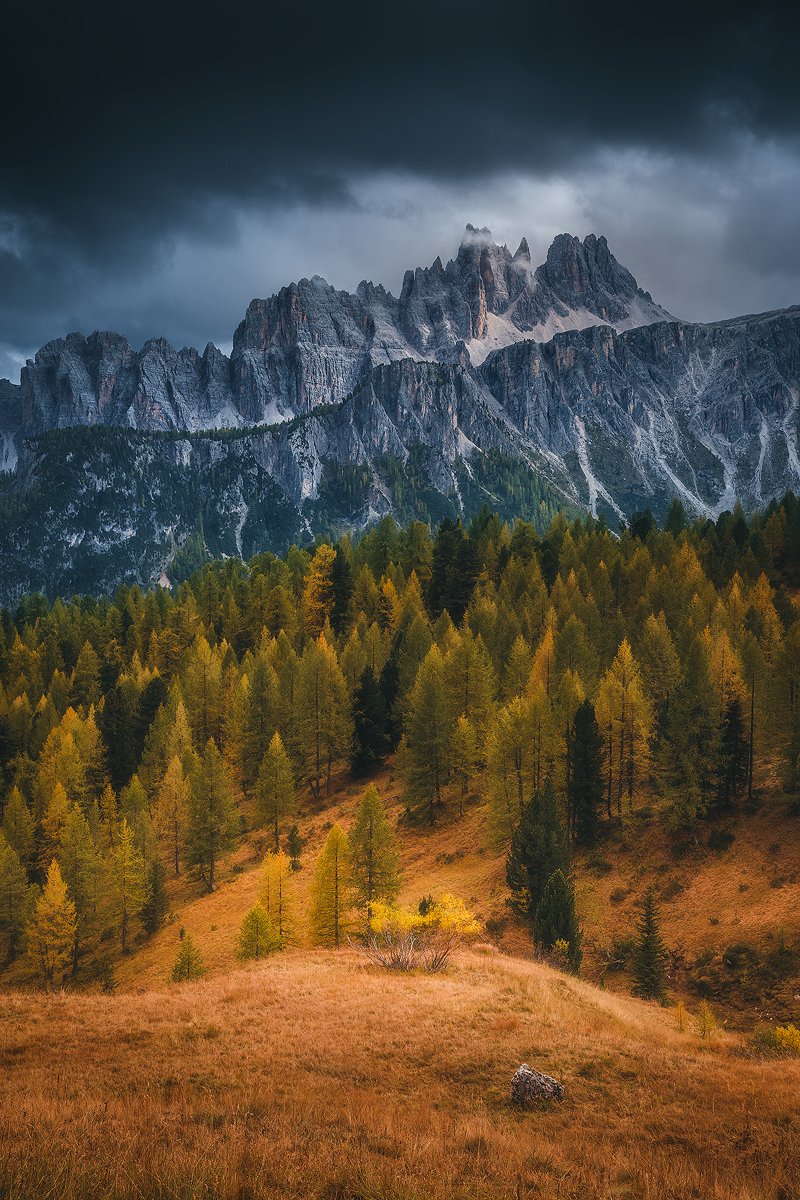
[562, 681]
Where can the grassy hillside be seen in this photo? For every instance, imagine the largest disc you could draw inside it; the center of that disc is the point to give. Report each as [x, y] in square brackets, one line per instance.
[709, 900]
[314, 1074]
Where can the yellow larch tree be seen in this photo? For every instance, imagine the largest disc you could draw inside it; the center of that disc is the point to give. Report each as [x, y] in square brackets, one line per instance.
[318, 593]
[51, 931]
[278, 896]
[331, 898]
[624, 714]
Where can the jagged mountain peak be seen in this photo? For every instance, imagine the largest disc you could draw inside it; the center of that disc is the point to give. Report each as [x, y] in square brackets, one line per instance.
[477, 236]
[311, 343]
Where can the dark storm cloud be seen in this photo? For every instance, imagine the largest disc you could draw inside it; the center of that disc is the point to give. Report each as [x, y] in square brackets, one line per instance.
[134, 132]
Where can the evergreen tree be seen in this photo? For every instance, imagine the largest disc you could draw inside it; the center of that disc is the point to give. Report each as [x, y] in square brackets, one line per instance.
[389, 683]
[370, 725]
[153, 696]
[330, 891]
[189, 963]
[213, 818]
[127, 883]
[294, 846]
[373, 856]
[650, 955]
[675, 521]
[15, 897]
[342, 582]
[733, 755]
[539, 848]
[50, 934]
[257, 937]
[556, 920]
[156, 906]
[275, 787]
[118, 727]
[585, 785]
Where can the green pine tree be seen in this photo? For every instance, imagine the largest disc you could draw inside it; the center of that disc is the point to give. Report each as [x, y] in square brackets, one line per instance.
[539, 848]
[556, 921]
[370, 725]
[156, 906]
[585, 785]
[650, 955]
[294, 845]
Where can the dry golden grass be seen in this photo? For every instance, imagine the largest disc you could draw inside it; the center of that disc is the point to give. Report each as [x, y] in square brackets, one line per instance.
[457, 856]
[315, 1075]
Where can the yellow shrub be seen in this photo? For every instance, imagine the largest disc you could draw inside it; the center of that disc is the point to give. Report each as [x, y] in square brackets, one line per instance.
[788, 1039]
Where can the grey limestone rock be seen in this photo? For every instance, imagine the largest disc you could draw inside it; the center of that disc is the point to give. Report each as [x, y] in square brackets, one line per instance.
[531, 1087]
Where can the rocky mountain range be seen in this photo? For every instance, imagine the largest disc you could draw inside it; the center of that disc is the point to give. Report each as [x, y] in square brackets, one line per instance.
[486, 380]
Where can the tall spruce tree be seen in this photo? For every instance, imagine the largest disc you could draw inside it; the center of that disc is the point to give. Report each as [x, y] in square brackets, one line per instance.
[539, 848]
[556, 919]
[650, 955]
[733, 755]
[370, 725]
[585, 784]
[156, 905]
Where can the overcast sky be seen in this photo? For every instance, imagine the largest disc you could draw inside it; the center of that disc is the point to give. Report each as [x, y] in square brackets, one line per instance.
[160, 167]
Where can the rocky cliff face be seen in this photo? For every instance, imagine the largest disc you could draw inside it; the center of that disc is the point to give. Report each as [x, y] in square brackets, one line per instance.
[591, 398]
[310, 344]
[591, 419]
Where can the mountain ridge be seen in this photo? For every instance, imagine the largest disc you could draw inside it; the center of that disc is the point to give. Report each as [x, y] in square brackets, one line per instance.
[311, 343]
[344, 415]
